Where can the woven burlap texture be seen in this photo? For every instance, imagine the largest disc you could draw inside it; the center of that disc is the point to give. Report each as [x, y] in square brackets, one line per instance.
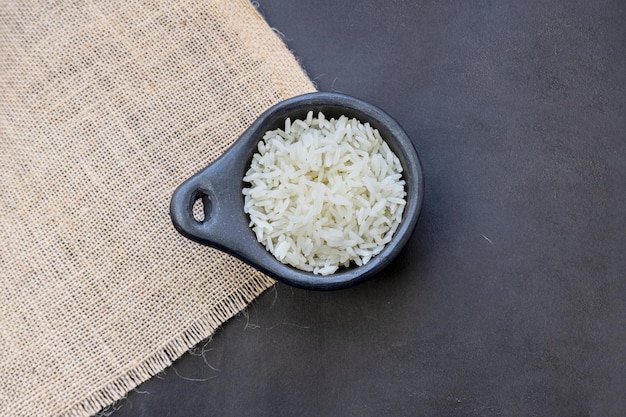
[105, 107]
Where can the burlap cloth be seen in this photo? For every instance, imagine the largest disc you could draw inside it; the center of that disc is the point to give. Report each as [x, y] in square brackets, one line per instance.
[105, 107]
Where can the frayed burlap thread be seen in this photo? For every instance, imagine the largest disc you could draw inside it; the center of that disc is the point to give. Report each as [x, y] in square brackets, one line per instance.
[105, 107]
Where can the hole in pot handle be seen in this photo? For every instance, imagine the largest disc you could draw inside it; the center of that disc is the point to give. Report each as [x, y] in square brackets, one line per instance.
[201, 207]
[182, 211]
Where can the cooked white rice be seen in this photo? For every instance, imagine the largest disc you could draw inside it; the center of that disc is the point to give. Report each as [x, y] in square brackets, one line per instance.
[324, 193]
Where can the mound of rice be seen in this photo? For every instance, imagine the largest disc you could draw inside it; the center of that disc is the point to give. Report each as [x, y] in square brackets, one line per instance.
[324, 193]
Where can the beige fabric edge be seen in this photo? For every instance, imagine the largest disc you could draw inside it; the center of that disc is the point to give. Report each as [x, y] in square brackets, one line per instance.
[250, 32]
[160, 360]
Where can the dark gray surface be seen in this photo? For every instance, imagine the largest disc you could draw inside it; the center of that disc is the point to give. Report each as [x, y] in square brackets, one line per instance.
[510, 299]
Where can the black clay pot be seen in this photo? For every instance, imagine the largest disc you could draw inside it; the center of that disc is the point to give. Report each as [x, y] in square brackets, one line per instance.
[225, 225]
